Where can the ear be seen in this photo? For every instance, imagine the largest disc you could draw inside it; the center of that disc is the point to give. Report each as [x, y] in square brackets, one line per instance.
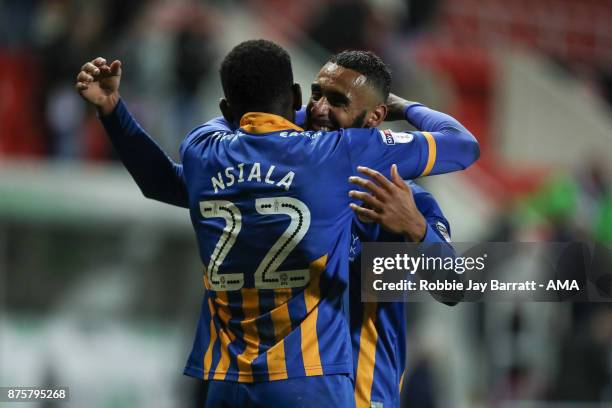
[297, 96]
[377, 116]
[225, 110]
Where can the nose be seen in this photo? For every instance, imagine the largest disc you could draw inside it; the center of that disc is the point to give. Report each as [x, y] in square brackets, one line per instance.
[321, 107]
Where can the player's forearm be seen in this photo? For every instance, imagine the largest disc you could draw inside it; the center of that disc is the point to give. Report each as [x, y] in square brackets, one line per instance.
[430, 120]
[109, 104]
[455, 147]
[157, 176]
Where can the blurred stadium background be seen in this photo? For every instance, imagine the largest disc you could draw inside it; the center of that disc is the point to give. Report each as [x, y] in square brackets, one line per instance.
[100, 287]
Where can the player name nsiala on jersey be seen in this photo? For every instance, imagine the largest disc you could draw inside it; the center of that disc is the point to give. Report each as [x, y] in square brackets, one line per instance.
[251, 172]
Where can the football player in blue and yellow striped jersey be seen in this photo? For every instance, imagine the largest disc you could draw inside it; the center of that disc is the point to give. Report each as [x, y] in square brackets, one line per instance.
[378, 330]
[405, 212]
[269, 203]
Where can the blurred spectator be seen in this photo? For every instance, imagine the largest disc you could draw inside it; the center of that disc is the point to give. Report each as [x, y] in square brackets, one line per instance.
[341, 25]
[570, 206]
[418, 389]
[194, 52]
[20, 133]
[584, 371]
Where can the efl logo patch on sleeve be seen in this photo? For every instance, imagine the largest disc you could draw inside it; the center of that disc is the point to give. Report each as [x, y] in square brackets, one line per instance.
[443, 231]
[392, 138]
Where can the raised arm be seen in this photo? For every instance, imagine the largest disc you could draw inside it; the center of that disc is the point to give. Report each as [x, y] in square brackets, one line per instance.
[155, 173]
[157, 176]
[443, 146]
[455, 147]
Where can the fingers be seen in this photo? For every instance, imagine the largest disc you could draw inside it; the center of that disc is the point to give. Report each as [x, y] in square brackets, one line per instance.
[88, 72]
[98, 62]
[94, 70]
[397, 179]
[84, 77]
[365, 212]
[368, 199]
[90, 68]
[82, 81]
[394, 173]
[115, 67]
[376, 176]
[99, 66]
[368, 185]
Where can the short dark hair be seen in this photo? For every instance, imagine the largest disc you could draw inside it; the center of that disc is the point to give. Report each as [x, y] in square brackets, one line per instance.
[256, 75]
[368, 64]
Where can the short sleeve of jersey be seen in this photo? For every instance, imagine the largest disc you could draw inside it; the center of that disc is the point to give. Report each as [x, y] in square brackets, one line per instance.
[379, 149]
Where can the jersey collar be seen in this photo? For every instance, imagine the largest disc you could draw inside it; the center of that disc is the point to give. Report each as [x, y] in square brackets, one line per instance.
[259, 123]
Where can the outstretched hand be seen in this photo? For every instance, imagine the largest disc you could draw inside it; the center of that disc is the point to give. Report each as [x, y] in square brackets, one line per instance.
[390, 203]
[98, 83]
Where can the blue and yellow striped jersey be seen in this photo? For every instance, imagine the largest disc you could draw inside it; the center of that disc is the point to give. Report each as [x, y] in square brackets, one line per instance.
[270, 207]
[378, 330]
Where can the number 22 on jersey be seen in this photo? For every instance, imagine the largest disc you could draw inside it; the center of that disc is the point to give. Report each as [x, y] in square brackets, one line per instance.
[267, 275]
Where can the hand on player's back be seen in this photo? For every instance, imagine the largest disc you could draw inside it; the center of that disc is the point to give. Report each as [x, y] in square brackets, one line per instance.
[98, 83]
[389, 203]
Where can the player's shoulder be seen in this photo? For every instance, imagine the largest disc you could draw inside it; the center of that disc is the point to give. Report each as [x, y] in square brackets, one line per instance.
[307, 135]
[309, 141]
[214, 129]
[356, 132]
